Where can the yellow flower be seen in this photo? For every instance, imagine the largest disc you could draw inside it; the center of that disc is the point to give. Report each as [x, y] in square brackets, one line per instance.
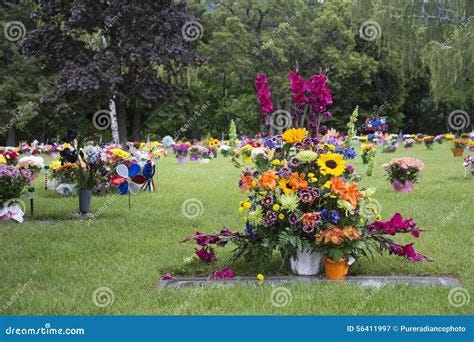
[254, 183]
[313, 179]
[294, 135]
[310, 175]
[331, 164]
[276, 207]
[276, 162]
[246, 205]
[327, 185]
[260, 277]
[213, 142]
[119, 153]
[241, 209]
[281, 216]
[2, 159]
[330, 147]
[283, 186]
[246, 219]
[55, 164]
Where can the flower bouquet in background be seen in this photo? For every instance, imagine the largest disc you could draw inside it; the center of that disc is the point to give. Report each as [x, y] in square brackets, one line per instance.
[367, 151]
[458, 147]
[390, 146]
[468, 165]
[33, 164]
[225, 150]
[213, 145]
[428, 140]
[181, 151]
[470, 145]
[408, 143]
[439, 138]
[403, 172]
[10, 157]
[61, 173]
[12, 182]
[199, 153]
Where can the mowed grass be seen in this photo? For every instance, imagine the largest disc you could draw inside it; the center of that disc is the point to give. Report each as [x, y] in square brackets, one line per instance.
[52, 263]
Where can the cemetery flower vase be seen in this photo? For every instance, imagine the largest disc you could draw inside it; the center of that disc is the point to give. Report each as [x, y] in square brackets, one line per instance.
[457, 153]
[85, 197]
[402, 187]
[336, 270]
[306, 262]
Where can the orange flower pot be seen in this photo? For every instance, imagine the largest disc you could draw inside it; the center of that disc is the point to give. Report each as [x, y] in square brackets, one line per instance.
[336, 270]
[457, 153]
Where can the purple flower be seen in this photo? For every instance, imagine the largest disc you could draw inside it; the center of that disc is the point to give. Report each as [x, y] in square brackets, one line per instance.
[270, 217]
[267, 201]
[305, 196]
[206, 255]
[308, 228]
[225, 273]
[407, 251]
[350, 168]
[167, 276]
[315, 192]
[294, 162]
[293, 219]
[284, 172]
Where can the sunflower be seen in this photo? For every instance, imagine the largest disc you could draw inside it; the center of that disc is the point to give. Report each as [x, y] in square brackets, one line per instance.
[294, 135]
[331, 164]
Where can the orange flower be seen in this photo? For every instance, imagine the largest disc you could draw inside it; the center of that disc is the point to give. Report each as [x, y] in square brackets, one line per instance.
[351, 233]
[297, 181]
[246, 183]
[310, 219]
[346, 191]
[268, 180]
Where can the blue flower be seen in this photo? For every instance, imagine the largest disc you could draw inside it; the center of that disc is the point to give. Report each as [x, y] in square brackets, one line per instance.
[331, 216]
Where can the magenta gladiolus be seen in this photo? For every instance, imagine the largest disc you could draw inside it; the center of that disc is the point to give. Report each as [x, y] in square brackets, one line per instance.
[263, 94]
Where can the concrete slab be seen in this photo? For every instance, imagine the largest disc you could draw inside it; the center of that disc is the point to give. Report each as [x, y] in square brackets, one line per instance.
[363, 281]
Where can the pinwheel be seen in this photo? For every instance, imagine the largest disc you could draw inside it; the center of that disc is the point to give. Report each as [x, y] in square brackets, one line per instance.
[128, 180]
[148, 172]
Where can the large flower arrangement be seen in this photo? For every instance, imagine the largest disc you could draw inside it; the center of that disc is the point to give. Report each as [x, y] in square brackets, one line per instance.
[403, 169]
[32, 164]
[12, 182]
[303, 196]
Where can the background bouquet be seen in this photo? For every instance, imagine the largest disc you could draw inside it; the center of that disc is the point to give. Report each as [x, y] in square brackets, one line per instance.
[403, 171]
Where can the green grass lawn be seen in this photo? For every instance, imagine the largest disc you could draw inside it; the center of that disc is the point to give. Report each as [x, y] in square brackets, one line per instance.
[52, 264]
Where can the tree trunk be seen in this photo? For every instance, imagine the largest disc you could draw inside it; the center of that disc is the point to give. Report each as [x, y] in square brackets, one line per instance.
[122, 122]
[136, 124]
[113, 122]
[11, 137]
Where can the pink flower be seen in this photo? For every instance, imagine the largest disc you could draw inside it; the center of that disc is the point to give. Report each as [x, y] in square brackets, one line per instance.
[167, 276]
[263, 94]
[225, 273]
[206, 255]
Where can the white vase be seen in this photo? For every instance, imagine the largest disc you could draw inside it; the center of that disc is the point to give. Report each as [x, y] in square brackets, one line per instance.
[204, 161]
[306, 262]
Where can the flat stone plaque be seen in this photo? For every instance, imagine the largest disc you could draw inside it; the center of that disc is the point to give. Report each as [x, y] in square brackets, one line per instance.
[364, 281]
